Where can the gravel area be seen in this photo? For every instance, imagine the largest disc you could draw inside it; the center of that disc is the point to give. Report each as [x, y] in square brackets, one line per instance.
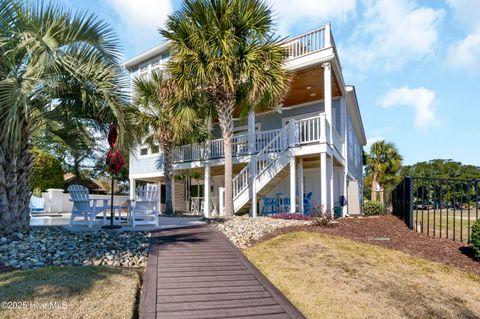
[47, 246]
[244, 230]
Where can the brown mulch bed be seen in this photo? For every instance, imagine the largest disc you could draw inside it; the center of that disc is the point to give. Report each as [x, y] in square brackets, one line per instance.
[390, 232]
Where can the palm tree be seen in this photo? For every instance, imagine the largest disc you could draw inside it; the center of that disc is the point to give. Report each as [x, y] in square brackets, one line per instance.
[162, 116]
[227, 49]
[48, 55]
[383, 163]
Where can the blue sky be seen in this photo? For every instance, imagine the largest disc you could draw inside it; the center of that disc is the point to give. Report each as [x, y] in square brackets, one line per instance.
[415, 64]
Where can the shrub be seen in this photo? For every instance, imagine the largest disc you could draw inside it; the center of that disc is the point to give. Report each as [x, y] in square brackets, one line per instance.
[46, 172]
[320, 217]
[372, 208]
[475, 239]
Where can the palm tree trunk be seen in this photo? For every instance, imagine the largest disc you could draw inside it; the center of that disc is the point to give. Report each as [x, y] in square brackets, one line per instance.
[15, 189]
[168, 171]
[226, 124]
[374, 187]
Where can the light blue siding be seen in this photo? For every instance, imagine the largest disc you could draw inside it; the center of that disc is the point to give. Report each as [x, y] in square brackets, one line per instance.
[145, 164]
[355, 154]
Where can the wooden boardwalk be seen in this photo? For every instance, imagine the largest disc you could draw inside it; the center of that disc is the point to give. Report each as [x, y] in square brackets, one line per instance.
[196, 272]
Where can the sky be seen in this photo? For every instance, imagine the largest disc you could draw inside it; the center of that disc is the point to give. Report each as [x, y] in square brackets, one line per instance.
[415, 64]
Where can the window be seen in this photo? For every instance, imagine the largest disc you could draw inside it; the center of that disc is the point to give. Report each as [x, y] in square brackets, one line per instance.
[144, 151]
[155, 149]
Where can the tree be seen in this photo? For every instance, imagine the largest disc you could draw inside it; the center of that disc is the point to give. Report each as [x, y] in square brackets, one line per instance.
[227, 49]
[49, 57]
[383, 163]
[46, 172]
[456, 180]
[161, 117]
[442, 168]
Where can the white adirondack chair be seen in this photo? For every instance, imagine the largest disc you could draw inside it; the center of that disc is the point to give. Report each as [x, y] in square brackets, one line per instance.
[37, 205]
[83, 209]
[144, 209]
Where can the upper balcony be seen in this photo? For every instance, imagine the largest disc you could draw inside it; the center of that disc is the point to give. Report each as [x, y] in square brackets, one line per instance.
[301, 133]
[302, 50]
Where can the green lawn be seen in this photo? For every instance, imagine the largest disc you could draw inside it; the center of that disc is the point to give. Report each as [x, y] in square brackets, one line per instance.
[435, 222]
[333, 277]
[76, 292]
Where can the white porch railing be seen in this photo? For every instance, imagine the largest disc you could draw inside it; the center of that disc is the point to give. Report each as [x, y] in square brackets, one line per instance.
[272, 150]
[196, 152]
[264, 158]
[307, 43]
[310, 130]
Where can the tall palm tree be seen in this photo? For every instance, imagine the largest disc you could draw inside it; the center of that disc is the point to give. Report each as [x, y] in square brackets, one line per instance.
[227, 48]
[48, 54]
[383, 162]
[162, 116]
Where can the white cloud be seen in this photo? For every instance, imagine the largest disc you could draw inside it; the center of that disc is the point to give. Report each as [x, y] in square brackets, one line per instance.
[466, 11]
[290, 14]
[142, 18]
[393, 33]
[421, 99]
[465, 54]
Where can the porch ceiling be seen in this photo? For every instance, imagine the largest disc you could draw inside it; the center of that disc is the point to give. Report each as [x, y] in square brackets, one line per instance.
[307, 86]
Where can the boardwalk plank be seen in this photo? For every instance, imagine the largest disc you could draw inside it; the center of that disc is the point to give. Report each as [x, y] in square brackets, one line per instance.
[216, 304]
[210, 290]
[219, 313]
[218, 297]
[203, 273]
[206, 284]
[207, 278]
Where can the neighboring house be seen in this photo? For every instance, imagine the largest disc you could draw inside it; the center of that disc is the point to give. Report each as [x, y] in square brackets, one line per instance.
[94, 186]
[310, 143]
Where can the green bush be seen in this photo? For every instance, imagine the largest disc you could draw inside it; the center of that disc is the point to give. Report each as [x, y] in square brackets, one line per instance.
[372, 208]
[475, 239]
[46, 172]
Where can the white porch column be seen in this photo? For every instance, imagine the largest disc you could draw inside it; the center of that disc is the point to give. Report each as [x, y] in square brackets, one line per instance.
[324, 182]
[251, 132]
[173, 193]
[221, 201]
[345, 189]
[251, 150]
[206, 190]
[301, 185]
[133, 186]
[330, 181]
[327, 88]
[292, 185]
[252, 188]
[159, 186]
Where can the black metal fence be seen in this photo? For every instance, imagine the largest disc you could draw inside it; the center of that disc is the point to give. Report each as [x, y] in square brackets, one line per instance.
[439, 207]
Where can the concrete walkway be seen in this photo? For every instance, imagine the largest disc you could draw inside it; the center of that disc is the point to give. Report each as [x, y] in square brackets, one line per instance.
[64, 219]
[196, 272]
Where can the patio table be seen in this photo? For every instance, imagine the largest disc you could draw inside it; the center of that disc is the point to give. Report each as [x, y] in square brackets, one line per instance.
[117, 219]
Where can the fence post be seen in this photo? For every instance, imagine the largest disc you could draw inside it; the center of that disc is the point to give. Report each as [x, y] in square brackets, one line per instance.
[408, 211]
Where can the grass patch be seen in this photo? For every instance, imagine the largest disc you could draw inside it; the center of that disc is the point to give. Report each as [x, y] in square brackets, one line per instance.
[454, 224]
[332, 277]
[76, 292]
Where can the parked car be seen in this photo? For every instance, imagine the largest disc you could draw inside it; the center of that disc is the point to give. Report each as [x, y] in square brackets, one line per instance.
[423, 204]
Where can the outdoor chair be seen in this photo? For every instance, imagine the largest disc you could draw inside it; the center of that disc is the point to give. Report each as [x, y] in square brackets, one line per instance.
[307, 203]
[270, 206]
[85, 208]
[37, 205]
[145, 208]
